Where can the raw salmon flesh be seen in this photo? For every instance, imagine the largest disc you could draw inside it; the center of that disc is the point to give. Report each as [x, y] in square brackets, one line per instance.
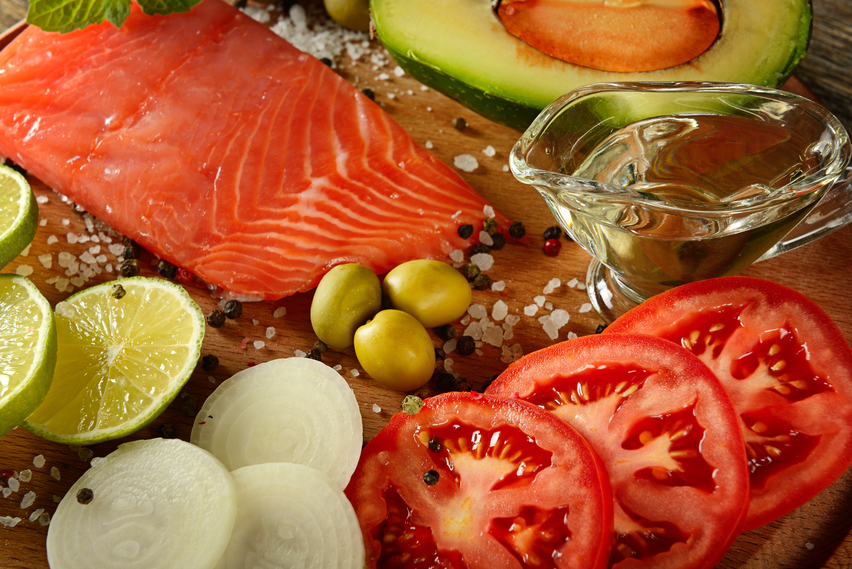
[218, 146]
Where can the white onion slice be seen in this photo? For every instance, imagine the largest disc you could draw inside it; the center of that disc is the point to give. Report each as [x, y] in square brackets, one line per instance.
[157, 504]
[291, 515]
[285, 410]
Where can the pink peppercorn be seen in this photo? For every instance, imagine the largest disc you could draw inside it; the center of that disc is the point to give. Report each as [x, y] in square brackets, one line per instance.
[552, 247]
[183, 276]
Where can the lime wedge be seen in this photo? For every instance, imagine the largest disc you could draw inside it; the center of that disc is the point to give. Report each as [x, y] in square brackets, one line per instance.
[124, 354]
[18, 214]
[27, 349]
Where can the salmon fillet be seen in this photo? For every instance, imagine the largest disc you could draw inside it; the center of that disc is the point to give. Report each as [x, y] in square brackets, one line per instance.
[221, 148]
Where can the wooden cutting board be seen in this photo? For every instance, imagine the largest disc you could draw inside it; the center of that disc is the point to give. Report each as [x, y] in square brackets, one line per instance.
[816, 535]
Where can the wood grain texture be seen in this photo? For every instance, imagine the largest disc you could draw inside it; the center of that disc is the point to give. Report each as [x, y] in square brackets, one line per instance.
[815, 535]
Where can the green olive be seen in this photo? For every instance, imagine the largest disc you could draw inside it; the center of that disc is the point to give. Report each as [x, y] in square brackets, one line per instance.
[346, 297]
[352, 14]
[433, 292]
[396, 350]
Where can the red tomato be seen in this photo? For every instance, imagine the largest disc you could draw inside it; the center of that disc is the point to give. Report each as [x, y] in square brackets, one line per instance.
[666, 432]
[787, 368]
[473, 481]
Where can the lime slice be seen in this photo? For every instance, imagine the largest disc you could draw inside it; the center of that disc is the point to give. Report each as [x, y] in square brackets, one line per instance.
[120, 361]
[18, 214]
[27, 349]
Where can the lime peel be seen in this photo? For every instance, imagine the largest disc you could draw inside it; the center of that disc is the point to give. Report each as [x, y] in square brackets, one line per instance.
[18, 214]
[27, 348]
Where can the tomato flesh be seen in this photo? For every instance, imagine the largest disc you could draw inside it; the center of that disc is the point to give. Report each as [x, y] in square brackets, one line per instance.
[787, 368]
[508, 485]
[666, 431]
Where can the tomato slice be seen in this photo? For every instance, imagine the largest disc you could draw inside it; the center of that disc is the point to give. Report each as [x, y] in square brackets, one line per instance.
[788, 370]
[666, 431]
[476, 481]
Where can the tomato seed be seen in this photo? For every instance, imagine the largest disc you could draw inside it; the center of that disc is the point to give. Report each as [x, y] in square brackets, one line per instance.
[85, 496]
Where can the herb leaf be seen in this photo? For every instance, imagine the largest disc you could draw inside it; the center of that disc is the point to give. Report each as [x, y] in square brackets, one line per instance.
[68, 15]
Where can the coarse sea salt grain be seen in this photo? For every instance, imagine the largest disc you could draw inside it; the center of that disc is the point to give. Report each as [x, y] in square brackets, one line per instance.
[539, 300]
[36, 513]
[46, 260]
[52, 239]
[42, 199]
[259, 344]
[552, 285]
[54, 472]
[500, 310]
[586, 307]
[38, 461]
[355, 372]
[489, 151]
[498, 286]
[485, 238]
[299, 353]
[465, 162]
[9, 521]
[28, 500]
[376, 408]
[270, 331]
[572, 283]
[482, 260]
[25, 475]
[24, 270]
[14, 485]
[493, 335]
[279, 312]
[7, 492]
[457, 256]
[530, 310]
[477, 311]
[428, 144]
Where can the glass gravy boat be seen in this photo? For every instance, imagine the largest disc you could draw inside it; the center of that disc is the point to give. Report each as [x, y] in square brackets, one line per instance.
[669, 183]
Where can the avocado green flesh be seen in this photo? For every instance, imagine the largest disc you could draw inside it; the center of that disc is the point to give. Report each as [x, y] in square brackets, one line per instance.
[460, 48]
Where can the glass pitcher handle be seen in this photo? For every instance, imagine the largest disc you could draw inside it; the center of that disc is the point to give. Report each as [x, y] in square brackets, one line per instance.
[833, 212]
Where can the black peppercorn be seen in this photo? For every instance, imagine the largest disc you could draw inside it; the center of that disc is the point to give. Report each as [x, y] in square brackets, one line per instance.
[216, 318]
[435, 444]
[117, 291]
[471, 271]
[233, 308]
[489, 226]
[320, 346]
[482, 282]
[480, 248]
[445, 382]
[166, 269]
[461, 384]
[465, 231]
[552, 232]
[128, 268]
[325, 61]
[497, 241]
[370, 93]
[465, 345]
[600, 328]
[517, 230]
[189, 405]
[446, 332]
[166, 431]
[209, 362]
[314, 354]
[431, 477]
[85, 496]
[459, 123]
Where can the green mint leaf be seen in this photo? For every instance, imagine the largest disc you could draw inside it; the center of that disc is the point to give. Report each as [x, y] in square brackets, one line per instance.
[68, 15]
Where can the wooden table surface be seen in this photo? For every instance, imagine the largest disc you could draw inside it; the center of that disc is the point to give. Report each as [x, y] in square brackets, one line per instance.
[816, 535]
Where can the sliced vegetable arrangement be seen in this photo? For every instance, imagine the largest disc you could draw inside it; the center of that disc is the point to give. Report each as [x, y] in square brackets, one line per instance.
[666, 431]
[293, 410]
[478, 481]
[787, 368]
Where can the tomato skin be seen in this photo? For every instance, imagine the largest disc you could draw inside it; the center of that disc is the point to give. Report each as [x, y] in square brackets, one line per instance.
[637, 400]
[757, 315]
[468, 516]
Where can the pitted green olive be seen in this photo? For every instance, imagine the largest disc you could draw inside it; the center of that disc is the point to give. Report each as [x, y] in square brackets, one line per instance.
[396, 350]
[352, 14]
[346, 297]
[433, 292]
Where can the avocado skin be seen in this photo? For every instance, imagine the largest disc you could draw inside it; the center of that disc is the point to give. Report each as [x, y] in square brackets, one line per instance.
[499, 109]
[519, 114]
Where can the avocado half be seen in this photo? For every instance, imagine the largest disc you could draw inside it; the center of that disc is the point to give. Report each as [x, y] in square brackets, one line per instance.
[461, 49]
